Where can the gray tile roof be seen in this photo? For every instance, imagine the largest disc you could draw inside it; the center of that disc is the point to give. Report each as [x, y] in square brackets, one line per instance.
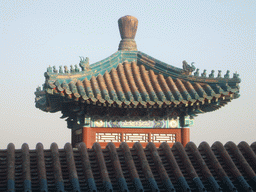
[228, 168]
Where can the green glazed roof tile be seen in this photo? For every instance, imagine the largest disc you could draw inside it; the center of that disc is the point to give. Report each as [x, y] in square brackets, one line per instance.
[132, 78]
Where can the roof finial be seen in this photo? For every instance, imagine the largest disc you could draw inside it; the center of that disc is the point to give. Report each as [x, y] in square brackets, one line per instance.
[128, 28]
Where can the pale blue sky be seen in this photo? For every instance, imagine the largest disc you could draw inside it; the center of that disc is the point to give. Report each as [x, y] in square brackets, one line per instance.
[216, 35]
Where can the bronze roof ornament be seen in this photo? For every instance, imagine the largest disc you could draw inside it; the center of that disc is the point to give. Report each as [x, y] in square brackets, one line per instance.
[128, 28]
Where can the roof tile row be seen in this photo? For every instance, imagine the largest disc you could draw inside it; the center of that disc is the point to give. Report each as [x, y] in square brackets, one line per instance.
[218, 168]
[134, 84]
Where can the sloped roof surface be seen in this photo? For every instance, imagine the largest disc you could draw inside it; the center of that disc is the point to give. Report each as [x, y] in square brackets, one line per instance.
[229, 168]
[131, 83]
[141, 81]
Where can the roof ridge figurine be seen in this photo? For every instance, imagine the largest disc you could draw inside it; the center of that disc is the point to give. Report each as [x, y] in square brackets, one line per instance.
[84, 63]
[188, 69]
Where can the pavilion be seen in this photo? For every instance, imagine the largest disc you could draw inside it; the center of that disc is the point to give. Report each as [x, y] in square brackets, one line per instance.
[130, 117]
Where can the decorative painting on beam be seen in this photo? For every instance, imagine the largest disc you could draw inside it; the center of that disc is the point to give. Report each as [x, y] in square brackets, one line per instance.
[116, 122]
[97, 116]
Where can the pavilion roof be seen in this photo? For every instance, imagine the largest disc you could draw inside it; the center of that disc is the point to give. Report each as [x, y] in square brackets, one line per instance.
[135, 79]
[217, 168]
[130, 78]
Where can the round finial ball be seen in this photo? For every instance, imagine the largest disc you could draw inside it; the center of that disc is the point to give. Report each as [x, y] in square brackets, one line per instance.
[128, 27]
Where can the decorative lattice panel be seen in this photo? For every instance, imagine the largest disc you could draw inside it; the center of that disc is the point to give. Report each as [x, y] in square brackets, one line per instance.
[135, 137]
[159, 138]
[108, 137]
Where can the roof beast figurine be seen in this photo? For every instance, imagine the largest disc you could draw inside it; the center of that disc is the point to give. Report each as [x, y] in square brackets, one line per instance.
[187, 68]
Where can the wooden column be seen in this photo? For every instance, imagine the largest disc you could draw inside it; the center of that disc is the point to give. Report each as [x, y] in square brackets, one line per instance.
[185, 136]
[87, 137]
[76, 137]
